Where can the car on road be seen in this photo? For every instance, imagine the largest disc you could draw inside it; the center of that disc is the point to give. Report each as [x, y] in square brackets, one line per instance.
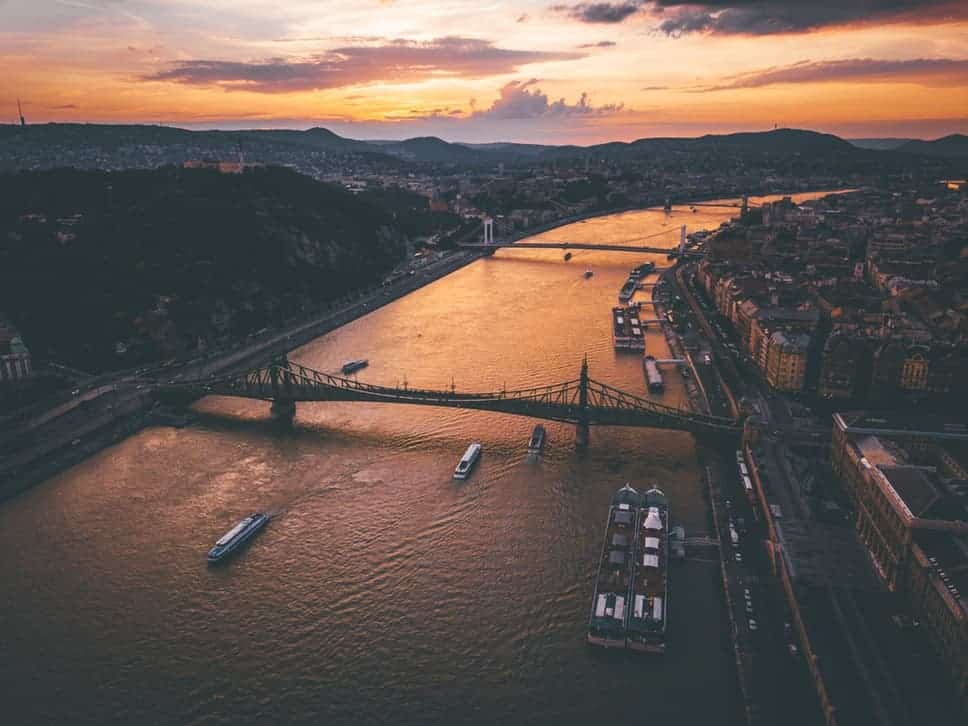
[738, 557]
[76, 392]
[793, 650]
[752, 624]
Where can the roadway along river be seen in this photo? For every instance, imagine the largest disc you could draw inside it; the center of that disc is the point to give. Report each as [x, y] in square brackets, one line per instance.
[383, 591]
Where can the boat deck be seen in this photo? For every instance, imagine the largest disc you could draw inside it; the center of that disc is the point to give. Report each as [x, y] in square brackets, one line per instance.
[648, 593]
[610, 606]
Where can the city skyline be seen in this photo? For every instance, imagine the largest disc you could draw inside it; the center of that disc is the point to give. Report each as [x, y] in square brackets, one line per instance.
[536, 71]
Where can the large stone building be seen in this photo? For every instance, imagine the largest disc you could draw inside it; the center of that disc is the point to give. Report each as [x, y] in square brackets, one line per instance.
[786, 360]
[913, 518]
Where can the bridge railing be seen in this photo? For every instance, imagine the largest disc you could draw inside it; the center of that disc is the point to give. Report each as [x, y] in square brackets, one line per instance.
[292, 380]
[302, 374]
[606, 396]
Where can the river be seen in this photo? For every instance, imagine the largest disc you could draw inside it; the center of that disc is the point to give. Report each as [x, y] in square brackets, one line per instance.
[383, 592]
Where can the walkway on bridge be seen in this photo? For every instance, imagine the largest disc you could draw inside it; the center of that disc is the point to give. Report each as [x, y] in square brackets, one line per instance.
[581, 401]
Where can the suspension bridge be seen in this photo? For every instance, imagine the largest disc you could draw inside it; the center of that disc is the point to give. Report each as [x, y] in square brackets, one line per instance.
[489, 244]
[582, 401]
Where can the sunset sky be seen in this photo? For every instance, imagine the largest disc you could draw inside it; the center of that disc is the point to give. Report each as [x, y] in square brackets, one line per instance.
[550, 71]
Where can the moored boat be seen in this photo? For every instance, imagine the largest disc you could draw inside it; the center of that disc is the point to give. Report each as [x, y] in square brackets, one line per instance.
[537, 440]
[351, 366]
[621, 329]
[607, 622]
[637, 334]
[467, 461]
[627, 291]
[237, 536]
[652, 375]
[649, 591]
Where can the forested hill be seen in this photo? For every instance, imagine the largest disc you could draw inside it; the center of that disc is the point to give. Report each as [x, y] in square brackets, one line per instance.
[160, 260]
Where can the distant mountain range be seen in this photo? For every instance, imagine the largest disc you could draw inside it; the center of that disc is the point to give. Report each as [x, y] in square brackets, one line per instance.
[884, 144]
[955, 145]
[434, 150]
[947, 146]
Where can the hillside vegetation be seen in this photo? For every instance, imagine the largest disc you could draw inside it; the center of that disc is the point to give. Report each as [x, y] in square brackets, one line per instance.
[172, 261]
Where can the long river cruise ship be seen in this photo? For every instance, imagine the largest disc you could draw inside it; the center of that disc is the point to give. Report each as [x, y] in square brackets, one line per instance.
[237, 536]
[649, 594]
[630, 605]
[607, 623]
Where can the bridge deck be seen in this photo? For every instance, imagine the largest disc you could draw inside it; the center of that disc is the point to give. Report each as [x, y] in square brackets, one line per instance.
[582, 401]
[566, 246]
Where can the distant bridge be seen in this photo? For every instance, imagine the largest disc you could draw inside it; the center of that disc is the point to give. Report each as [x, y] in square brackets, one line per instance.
[582, 401]
[490, 245]
[564, 246]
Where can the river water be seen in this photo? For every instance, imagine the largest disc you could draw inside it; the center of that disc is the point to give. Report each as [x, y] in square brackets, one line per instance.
[382, 591]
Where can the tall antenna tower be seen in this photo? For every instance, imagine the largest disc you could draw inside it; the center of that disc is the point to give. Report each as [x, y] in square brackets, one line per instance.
[23, 121]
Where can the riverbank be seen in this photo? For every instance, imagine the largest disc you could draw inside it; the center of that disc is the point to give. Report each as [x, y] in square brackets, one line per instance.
[83, 427]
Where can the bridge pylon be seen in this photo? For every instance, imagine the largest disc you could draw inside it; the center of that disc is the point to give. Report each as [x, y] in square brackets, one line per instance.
[283, 408]
[581, 426]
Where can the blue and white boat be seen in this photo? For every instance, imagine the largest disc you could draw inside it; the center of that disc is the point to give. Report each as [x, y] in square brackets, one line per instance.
[352, 366]
[467, 461]
[237, 536]
[537, 440]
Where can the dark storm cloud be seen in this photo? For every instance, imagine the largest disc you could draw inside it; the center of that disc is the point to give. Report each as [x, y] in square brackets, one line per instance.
[599, 12]
[767, 17]
[937, 72]
[394, 61]
[522, 100]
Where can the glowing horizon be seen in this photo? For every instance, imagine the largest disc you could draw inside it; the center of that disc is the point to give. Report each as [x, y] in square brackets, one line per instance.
[533, 71]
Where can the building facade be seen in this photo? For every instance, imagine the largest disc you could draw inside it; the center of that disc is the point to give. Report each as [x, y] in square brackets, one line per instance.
[913, 519]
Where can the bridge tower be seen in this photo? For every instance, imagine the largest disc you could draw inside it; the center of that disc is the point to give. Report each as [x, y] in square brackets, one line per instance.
[581, 427]
[283, 409]
[488, 230]
[682, 240]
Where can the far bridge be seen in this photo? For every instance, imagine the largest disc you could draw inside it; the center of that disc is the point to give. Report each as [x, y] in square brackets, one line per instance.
[582, 401]
[489, 244]
[564, 246]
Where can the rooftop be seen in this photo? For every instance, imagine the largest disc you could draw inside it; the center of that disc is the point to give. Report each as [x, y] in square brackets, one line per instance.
[891, 423]
[948, 554]
[925, 495]
[879, 453]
